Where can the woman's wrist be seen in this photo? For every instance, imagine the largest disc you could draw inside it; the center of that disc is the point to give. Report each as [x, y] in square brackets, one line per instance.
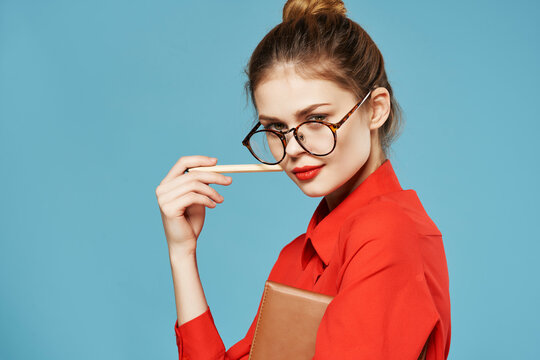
[178, 254]
[188, 291]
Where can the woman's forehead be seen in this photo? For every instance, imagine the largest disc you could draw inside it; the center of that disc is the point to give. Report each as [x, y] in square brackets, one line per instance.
[287, 92]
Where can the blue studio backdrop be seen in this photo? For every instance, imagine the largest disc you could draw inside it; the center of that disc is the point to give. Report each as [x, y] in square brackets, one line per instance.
[98, 99]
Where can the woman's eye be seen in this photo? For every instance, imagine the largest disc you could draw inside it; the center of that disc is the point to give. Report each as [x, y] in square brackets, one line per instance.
[317, 117]
[275, 126]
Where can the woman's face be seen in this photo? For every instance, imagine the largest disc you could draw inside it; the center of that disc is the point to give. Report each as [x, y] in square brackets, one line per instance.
[284, 93]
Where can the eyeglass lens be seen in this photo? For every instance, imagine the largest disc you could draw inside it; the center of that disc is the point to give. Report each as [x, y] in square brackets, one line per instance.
[314, 137]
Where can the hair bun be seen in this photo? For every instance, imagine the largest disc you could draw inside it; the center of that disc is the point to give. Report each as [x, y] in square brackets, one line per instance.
[296, 8]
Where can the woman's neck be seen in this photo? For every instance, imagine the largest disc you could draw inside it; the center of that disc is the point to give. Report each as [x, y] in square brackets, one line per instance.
[336, 197]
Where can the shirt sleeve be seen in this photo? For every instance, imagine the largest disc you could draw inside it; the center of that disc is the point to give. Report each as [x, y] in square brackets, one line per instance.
[383, 308]
[199, 339]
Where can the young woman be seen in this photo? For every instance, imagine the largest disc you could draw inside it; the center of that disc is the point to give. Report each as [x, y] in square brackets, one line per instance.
[327, 115]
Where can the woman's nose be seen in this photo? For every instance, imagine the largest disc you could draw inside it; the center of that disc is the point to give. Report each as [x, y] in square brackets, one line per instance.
[293, 148]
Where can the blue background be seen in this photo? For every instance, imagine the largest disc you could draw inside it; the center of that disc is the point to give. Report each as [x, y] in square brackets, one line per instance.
[98, 99]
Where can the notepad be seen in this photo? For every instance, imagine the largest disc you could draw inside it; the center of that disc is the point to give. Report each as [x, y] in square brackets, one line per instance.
[287, 323]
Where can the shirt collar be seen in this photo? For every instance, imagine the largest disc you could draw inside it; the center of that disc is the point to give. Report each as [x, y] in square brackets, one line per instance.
[323, 228]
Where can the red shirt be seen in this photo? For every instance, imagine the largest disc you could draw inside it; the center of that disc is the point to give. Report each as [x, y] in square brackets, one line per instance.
[381, 257]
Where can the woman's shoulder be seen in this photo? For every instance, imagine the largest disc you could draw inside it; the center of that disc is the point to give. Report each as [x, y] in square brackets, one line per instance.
[395, 221]
[394, 212]
[379, 219]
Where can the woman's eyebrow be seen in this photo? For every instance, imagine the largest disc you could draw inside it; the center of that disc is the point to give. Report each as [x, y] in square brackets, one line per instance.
[298, 114]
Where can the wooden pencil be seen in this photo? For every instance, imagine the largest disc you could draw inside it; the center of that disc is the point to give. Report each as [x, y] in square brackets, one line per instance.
[238, 168]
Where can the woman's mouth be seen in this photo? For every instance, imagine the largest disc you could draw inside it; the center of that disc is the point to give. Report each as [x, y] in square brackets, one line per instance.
[307, 172]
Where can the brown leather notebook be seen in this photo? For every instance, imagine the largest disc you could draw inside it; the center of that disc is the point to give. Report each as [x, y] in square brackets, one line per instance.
[288, 322]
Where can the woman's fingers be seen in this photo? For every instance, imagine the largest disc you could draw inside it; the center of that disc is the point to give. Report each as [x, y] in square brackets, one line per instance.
[191, 186]
[183, 198]
[194, 176]
[207, 177]
[179, 191]
[178, 206]
[186, 162]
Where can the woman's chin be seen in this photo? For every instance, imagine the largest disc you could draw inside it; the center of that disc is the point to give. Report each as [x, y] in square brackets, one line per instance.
[312, 190]
[314, 187]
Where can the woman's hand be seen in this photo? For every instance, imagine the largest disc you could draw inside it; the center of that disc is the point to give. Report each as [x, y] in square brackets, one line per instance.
[182, 199]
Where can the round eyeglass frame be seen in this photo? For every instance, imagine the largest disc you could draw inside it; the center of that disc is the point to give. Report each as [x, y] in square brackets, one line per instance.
[282, 135]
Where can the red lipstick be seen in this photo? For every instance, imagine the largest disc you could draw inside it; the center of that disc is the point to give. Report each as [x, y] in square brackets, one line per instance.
[306, 172]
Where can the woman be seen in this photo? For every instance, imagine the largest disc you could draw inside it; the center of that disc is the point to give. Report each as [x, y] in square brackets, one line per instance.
[369, 243]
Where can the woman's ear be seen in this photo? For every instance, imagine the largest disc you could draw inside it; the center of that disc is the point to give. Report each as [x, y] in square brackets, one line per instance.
[380, 107]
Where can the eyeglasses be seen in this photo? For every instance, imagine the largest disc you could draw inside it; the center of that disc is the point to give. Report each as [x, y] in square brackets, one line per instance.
[317, 137]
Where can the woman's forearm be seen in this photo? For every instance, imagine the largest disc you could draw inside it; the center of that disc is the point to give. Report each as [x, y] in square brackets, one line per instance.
[188, 290]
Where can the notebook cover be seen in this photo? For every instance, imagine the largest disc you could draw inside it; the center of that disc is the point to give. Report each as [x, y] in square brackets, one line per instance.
[287, 323]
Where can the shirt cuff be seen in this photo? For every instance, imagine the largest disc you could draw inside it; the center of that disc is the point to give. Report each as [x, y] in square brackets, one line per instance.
[199, 339]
